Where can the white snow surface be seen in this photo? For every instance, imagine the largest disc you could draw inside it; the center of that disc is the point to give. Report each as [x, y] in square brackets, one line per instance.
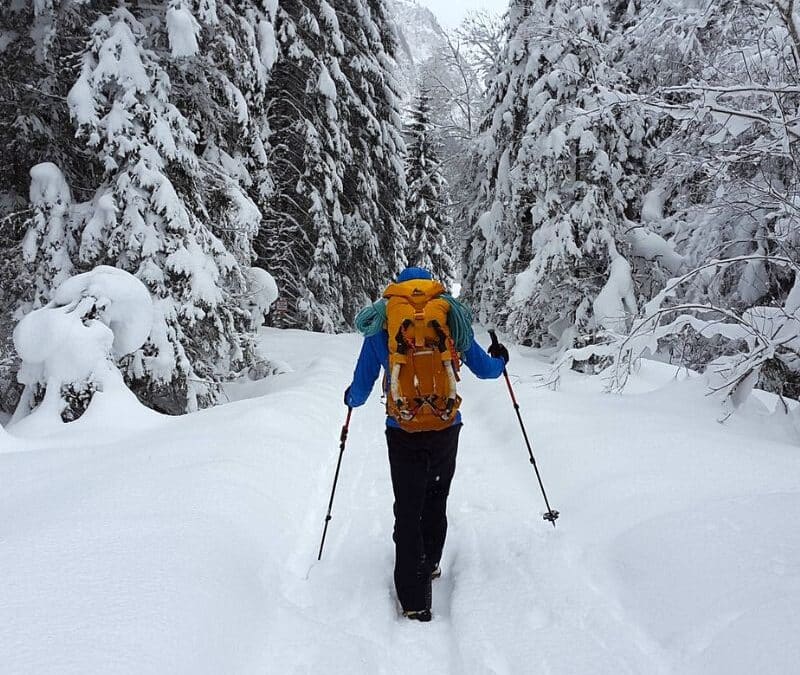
[188, 545]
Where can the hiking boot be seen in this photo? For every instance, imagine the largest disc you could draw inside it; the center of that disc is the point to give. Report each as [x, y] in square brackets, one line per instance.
[436, 572]
[418, 615]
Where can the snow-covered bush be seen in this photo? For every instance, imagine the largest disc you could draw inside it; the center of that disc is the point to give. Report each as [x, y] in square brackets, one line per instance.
[70, 347]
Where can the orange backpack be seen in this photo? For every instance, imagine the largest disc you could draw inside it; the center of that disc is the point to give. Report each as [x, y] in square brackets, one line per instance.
[423, 361]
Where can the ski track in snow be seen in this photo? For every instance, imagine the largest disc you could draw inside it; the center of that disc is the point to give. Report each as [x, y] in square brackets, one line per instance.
[191, 547]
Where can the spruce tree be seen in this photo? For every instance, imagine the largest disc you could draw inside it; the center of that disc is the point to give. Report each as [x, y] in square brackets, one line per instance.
[158, 178]
[333, 231]
[427, 217]
[561, 165]
[300, 236]
[373, 182]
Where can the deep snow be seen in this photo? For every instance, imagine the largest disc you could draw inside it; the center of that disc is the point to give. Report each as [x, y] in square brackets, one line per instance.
[136, 543]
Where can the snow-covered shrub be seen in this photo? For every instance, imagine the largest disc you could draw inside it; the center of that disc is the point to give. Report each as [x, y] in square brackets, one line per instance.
[180, 222]
[70, 347]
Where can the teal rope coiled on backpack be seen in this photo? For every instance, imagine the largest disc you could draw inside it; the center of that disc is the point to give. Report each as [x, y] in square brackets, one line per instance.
[459, 321]
[372, 319]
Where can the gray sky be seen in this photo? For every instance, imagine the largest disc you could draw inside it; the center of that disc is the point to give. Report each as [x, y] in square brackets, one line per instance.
[450, 12]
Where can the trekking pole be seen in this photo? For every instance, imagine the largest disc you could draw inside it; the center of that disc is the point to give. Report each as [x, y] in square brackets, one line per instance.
[551, 515]
[342, 440]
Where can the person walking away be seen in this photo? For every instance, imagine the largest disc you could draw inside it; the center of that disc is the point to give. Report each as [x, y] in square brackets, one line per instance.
[419, 334]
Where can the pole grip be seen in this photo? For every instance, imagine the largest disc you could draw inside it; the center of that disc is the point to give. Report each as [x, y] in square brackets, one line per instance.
[346, 427]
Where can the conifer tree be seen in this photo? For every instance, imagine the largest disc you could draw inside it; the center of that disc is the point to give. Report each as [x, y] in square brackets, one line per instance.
[163, 167]
[559, 170]
[373, 183]
[333, 231]
[301, 233]
[427, 217]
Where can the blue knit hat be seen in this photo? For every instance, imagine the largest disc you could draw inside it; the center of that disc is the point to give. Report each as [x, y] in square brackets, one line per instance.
[410, 273]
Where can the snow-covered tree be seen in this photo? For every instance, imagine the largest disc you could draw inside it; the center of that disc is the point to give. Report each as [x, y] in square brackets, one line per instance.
[724, 80]
[373, 183]
[163, 176]
[558, 176]
[333, 226]
[70, 347]
[427, 213]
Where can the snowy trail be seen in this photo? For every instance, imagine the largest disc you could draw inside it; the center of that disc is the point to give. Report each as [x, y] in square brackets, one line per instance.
[190, 545]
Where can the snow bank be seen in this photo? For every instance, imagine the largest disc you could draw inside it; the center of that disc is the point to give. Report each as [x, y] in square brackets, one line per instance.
[6, 442]
[68, 347]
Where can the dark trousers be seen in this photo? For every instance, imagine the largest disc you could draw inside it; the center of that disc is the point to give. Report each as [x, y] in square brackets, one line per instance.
[422, 466]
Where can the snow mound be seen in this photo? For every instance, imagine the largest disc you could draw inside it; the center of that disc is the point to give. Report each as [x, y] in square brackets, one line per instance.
[123, 303]
[68, 348]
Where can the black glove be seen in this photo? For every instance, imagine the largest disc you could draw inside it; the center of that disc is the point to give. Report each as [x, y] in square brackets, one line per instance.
[498, 350]
[346, 396]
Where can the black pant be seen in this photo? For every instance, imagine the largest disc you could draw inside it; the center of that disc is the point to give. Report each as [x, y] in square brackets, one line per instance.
[422, 466]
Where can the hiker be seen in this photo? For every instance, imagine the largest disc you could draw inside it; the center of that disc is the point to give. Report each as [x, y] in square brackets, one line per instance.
[418, 334]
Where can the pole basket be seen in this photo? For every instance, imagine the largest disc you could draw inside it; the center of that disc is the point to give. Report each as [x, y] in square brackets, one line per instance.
[551, 516]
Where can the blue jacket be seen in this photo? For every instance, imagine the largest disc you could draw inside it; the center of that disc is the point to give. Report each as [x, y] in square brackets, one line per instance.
[375, 354]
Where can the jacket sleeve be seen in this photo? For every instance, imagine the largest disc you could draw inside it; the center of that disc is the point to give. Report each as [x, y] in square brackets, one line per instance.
[479, 362]
[368, 367]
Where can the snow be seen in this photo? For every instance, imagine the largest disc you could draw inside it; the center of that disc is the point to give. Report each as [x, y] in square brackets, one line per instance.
[325, 84]
[48, 185]
[183, 30]
[616, 301]
[123, 302]
[189, 544]
[653, 205]
[651, 246]
[262, 292]
[268, 48]
[92, 319]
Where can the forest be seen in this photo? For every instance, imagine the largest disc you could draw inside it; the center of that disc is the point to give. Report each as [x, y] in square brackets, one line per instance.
[603, 179]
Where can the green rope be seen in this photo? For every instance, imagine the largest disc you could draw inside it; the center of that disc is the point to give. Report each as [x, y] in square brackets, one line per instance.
[372, 320]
